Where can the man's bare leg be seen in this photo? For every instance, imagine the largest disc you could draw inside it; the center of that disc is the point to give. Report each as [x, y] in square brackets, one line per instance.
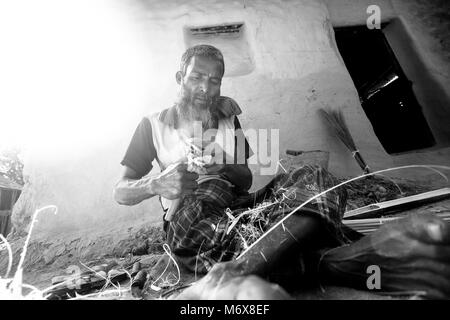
[271, 267]
[413, 255]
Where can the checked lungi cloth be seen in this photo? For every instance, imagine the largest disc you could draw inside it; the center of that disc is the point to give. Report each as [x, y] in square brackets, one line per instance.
[197, 234]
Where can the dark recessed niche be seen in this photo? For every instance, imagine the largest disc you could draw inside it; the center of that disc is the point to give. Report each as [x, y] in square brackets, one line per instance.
[385, 91]
[229, 38]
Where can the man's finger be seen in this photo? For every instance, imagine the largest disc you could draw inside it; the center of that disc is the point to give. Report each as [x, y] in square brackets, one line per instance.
[190, 176]
[432, 265]
[181, 167]
[432, 251]
[433, 285]
[191, 185]
[436, 285]
[215, 168]
[429, 229]
[187, 191]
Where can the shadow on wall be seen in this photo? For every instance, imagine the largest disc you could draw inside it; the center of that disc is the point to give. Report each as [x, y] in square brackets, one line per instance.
[433, 98]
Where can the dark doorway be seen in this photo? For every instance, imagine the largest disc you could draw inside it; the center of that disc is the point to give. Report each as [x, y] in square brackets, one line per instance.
[385, 92]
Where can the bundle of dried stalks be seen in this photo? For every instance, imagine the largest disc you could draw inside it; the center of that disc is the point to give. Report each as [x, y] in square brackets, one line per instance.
[251, 224]
[336, 121]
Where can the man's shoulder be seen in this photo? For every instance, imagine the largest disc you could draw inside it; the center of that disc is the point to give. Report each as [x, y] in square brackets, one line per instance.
[228, 107]
[156, 115]
[146, 123]
[166, 116]
[162, 117]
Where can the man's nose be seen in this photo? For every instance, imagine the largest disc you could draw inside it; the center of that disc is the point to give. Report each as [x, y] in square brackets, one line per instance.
[204, 86]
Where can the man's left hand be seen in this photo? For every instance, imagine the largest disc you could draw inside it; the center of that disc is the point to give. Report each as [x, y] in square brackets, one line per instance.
[223, 164]
[215, 168]
[413, 254]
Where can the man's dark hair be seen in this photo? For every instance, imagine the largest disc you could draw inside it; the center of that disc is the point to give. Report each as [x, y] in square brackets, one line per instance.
[201, 50]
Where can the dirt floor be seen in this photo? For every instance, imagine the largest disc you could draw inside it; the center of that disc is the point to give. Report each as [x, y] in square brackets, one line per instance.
[378, 189]
[45, 261]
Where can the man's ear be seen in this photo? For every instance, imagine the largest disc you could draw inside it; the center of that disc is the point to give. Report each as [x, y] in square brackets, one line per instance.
[179, 77]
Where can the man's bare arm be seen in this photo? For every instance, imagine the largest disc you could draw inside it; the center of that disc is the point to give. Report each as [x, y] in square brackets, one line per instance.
[171, 183]
[132, 189]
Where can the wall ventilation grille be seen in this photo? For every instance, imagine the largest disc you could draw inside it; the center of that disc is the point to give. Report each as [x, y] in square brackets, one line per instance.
[228, 37]
[229, 29]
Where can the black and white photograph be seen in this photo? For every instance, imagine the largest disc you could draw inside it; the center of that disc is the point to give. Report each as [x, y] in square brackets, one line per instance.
[235, 151]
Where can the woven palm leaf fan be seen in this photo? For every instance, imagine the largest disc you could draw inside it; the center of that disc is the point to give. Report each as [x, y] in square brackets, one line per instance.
[336, 121]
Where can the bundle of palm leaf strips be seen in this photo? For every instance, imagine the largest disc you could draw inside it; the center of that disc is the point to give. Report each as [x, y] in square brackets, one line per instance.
[250, 224]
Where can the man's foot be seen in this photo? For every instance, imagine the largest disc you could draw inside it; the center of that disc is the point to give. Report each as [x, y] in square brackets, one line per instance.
[225, 281]
[413, 255]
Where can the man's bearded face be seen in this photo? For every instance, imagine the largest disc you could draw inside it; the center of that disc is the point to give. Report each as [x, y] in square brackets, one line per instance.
[200, 88]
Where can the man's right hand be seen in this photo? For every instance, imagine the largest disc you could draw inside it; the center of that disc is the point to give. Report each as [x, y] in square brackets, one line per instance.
[413, 254]
[174, 181]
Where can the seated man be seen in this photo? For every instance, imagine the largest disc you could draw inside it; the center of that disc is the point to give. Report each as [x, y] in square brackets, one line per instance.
[168, 137]
[194, 201]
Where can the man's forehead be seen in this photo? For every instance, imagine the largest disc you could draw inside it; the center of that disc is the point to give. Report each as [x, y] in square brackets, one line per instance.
[205, 64]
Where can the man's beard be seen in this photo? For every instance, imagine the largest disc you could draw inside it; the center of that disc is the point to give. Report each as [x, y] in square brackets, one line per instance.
[189, 111]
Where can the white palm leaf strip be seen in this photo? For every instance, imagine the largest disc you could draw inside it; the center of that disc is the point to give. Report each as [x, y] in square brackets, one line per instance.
[367, 226]
[431, 167]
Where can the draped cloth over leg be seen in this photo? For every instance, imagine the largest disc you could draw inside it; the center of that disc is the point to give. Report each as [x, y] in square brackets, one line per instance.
[198, 237]
[197, 232]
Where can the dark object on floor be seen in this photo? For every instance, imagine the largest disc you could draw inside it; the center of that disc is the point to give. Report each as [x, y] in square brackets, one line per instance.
[69, 286]
[138, 283]
[140, 250]
[83, 285]
[136, 268]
